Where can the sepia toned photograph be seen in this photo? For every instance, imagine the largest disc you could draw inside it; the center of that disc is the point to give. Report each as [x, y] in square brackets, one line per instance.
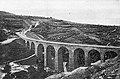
[59, 39]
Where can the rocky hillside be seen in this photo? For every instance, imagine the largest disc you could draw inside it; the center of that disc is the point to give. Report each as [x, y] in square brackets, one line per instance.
[108, 70]
[62, 31]
[52, 29]
[15, 50]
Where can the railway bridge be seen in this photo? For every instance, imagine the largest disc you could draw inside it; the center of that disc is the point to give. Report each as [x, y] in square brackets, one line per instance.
[77, 55]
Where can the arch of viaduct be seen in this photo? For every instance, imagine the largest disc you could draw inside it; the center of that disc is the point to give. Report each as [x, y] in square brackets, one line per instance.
[51, 54]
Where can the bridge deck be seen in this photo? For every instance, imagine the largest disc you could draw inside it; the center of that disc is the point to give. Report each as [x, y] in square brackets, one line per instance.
[61, 43]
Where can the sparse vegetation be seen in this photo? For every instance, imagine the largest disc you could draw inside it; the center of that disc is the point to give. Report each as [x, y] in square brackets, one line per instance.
[61, 31]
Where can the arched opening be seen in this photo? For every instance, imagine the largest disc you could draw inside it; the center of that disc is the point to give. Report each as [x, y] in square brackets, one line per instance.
[110, 55]
[33, 47]
[94, 56]
[28, 45]
[50, 57]
[79, 58]
[24, 42]
[63, 59]
[40, 50]
[40, 56]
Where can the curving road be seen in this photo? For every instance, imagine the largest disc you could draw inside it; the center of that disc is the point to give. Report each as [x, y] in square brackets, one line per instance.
[23, 36]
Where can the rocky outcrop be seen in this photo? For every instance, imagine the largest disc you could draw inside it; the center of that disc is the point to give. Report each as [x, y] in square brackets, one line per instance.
[110, 68]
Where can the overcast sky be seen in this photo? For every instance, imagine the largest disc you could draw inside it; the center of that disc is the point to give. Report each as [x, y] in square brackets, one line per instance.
[81, 11]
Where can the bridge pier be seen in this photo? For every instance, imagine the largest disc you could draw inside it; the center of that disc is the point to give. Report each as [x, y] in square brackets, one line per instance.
[56, 58]
[36, 50]
[30, 44]
[87, 59]
[102, 53]
[45, 55]
[102, 58]
[25, 43]
[71, 59]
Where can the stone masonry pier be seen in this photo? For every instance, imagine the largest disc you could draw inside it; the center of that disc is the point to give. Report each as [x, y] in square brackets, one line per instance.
[55, 53]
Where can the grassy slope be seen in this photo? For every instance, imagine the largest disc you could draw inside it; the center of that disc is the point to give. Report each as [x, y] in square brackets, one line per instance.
[58, 30]
[9, 24]
[14, 51]
[55, 30]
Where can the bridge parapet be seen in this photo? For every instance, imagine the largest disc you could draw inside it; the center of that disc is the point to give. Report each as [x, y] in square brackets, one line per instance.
[72, 48]
[72, 44]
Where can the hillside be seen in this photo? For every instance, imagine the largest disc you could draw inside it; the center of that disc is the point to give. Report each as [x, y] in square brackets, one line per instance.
[108, 70]
[62, 31]
[58, 30]
[15, 50]
[5, 13]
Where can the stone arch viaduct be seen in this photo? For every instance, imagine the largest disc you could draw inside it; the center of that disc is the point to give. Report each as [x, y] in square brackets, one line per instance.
[52, 53]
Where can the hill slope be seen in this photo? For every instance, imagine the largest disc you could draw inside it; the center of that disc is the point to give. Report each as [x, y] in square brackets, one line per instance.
[5, 13]
[62, 31]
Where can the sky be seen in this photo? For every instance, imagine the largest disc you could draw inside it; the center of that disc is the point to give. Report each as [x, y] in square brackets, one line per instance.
[104, 12]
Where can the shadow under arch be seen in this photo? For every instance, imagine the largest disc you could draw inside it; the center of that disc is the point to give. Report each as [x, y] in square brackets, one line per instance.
[40, 50]
[24, 42]
[40, 57]
[79, 58]
[50, 57]
[63, 56]
[28, 45]
[110, 55]
[94, 56]
[33, 47]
